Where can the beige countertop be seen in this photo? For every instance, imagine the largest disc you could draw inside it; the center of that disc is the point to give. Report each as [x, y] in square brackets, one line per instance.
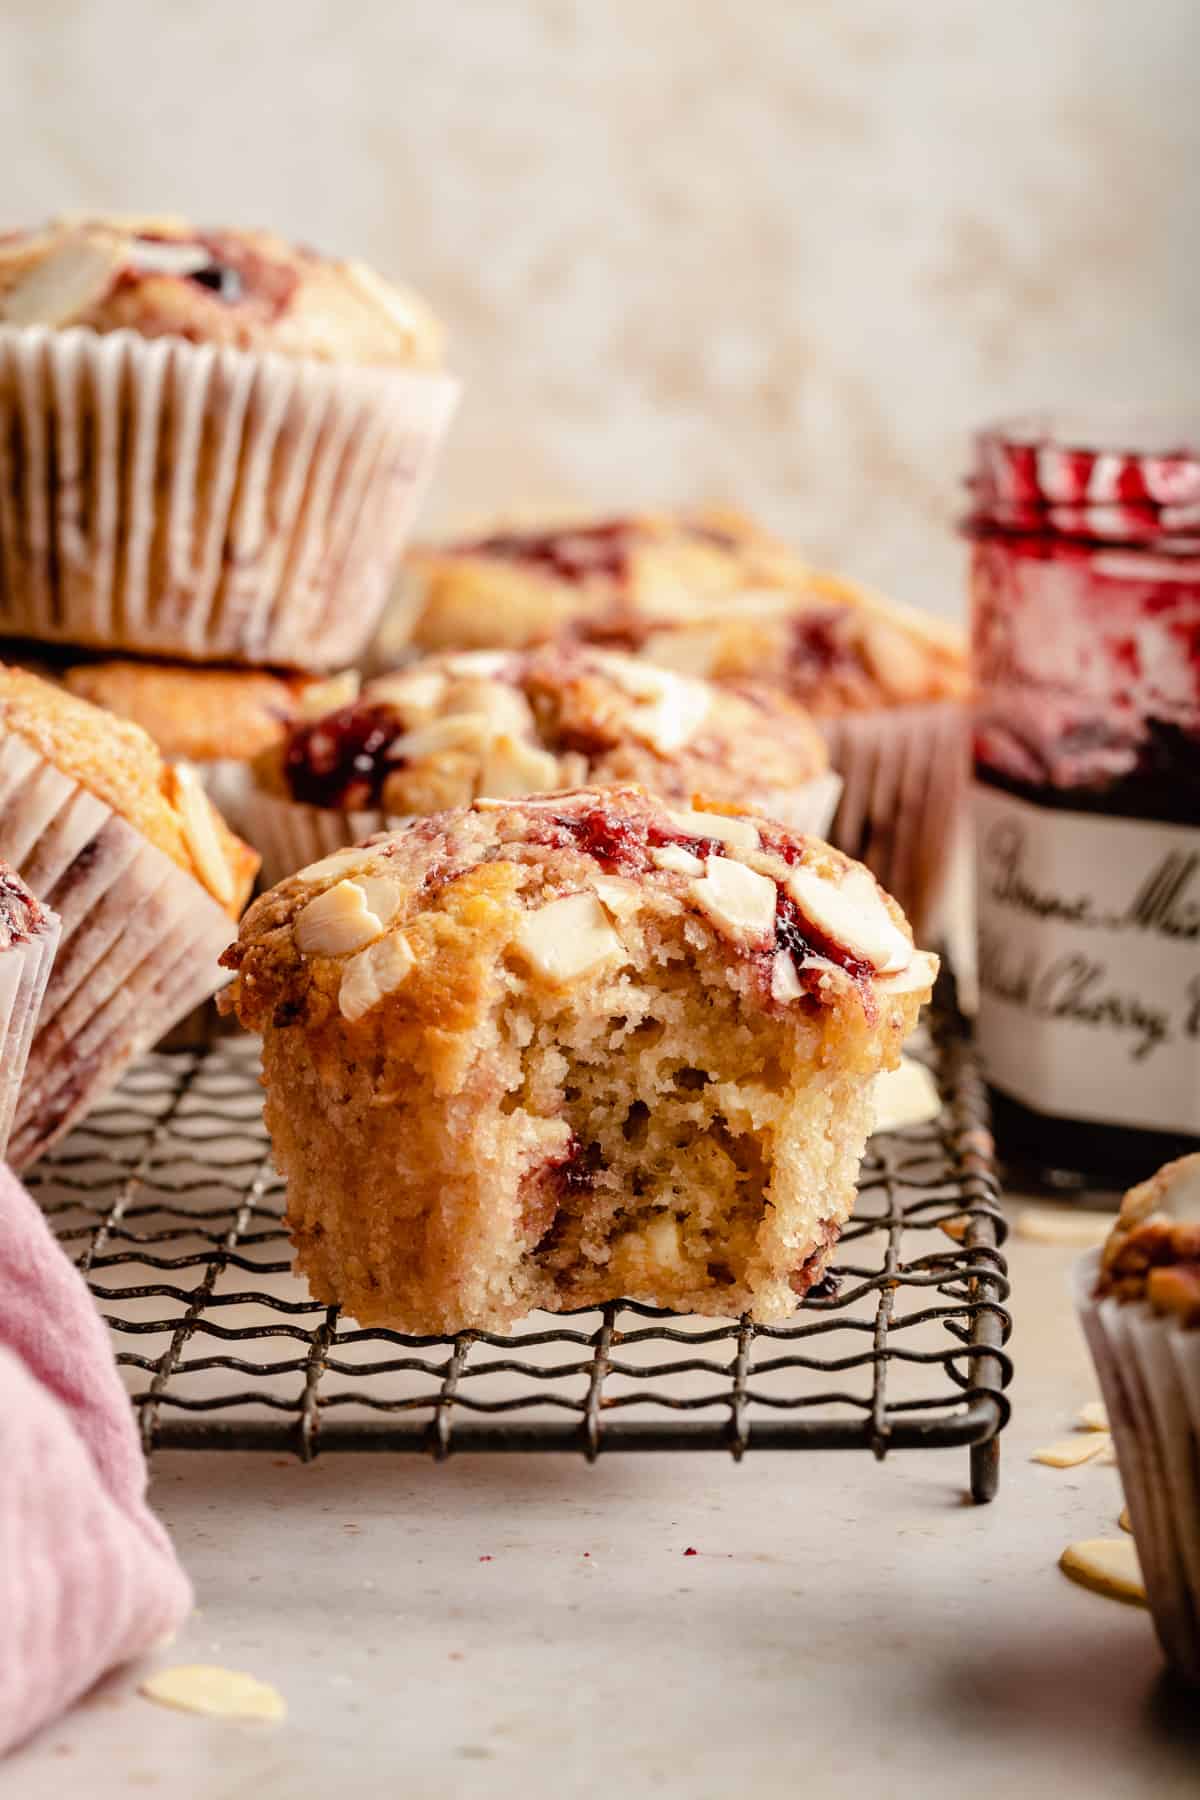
[843, 1625]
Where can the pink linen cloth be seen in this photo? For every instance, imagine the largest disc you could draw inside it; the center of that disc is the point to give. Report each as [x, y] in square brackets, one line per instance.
[88, 1578]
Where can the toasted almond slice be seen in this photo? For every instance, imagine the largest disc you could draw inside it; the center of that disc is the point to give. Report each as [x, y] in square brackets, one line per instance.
[336, 864]
[453, 731]
[158, 256]
[1092, 1417]
[1070, 1229]
[1069, 1452]
[413, 690]
[329, 695]
[567, 938]
[1125, 1522]
[337, 922]
[738, 833]
[853, 914]
[511, 766]
[385, 895]
[1107, 1566]
[197, 819]
[374, 973]
[677, 860]
[920, 973]
[736, 898]
[66, 283]
[618, 896]
[786, 984]
[218, 1693]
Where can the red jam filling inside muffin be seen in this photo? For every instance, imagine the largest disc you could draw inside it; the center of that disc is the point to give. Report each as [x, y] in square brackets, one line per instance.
[342, 760]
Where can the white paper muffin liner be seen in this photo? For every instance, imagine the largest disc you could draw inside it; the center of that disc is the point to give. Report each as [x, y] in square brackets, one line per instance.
[288, 835]
[903, 804]
[24, 972]
[1149, 1372]
[212, 504]
[139, 949]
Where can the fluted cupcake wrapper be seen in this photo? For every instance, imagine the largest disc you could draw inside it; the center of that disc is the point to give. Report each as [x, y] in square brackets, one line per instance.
[1149, 1372]
[288, 835]
[140, 942]
[212, 504]
[902, 808]
[24, 972]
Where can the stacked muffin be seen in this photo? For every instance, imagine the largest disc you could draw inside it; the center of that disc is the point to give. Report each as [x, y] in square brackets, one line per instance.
[452, 728]
[212, 444]
[708, 593]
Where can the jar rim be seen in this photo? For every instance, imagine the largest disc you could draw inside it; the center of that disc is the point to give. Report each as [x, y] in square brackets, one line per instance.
[1101, 480]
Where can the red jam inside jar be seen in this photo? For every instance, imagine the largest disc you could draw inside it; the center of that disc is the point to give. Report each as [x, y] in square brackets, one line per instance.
[1085, 590]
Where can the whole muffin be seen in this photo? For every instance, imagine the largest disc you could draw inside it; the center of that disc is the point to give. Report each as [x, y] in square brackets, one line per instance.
[708, 593]
[217, 440]
[548, 1053]
[28, 940]
[451, 728]
[215, 720]
[143, 872]
[1139, 1305]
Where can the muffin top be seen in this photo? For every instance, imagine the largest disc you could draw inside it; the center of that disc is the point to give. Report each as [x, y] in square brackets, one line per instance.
[248, 290]
[207, 714]
[1153, 1250]
[123, 767]
[22, 916]
[704, 592]
[450, 728]
[552, 888]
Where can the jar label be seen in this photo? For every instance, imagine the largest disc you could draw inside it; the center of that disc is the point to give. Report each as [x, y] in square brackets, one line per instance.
[1089, 962]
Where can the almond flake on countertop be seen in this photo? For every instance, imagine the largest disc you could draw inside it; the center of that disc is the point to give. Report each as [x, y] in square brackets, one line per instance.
[1093, 1417]
[216, 1692]
[1069, 1229]
[1125, 1522]
[1108, 1566]
[1070, 1452]
[906, 1095]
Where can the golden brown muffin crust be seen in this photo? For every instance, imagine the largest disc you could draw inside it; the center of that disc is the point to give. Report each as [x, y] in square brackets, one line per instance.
[245, 290]
[547, 1052]
[706, 592]
[452, 727]
[207, 714]
[122, 766]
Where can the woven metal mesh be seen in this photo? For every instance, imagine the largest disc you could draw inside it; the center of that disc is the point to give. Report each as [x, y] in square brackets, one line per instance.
[167, 1199]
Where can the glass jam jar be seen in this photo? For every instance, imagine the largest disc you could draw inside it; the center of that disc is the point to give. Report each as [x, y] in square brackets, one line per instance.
[1085, 591]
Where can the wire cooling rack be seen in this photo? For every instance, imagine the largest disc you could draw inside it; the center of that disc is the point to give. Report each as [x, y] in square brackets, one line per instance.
[167, 1199]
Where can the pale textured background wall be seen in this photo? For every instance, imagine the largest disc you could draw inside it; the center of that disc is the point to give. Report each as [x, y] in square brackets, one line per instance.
[784, 251]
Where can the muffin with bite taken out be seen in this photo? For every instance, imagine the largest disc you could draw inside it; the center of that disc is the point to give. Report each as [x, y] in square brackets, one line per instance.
[548, 1052]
